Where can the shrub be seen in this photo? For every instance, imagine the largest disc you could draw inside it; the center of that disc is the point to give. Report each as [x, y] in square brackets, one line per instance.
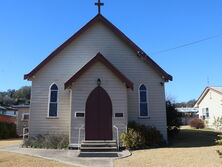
[139, 136]
[219, 141]
[7, 130]
[197, 123]
[132, 139]
[218, 123]
[48, 141]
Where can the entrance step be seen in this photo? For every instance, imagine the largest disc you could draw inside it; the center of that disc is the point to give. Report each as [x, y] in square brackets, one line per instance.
[98, 146]
[99, 154]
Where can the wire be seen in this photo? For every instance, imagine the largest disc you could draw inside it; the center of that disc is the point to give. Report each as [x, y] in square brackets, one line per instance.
[187, 44]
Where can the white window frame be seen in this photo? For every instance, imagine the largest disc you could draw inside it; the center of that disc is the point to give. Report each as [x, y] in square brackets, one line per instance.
[49, 101]
[147, 101]
[23, 114]
[204, 113]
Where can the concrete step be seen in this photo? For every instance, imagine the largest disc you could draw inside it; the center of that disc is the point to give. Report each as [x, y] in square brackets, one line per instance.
[98, 149]
[98, 146]
[99, 141]
[99, 154]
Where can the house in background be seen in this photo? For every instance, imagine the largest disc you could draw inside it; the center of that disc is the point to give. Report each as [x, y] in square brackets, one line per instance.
[7, 115]
[22, 118]
[92, 85]
[8, 111]
[187, 114]
[210, 105]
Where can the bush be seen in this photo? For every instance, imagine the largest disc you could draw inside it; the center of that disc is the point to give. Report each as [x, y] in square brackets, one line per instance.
[132, 139]
[140, 136]
[219, 141]
[48, 141]
[7, 130]
[197, 123]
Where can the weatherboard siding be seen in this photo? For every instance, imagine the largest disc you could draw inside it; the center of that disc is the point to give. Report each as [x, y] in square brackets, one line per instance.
[213, 101]
[97, 39]
[85, 85]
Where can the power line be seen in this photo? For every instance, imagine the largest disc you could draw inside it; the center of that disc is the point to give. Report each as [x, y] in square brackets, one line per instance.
[187, 44]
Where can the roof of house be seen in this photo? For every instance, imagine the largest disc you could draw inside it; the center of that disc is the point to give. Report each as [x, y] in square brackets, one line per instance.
[2, 108]
[187, 110]
[21, 106]
[217, 89]
[99, 58]
[100, 18]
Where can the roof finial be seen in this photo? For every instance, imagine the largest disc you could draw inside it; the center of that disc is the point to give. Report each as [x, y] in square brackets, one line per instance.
[99, 4]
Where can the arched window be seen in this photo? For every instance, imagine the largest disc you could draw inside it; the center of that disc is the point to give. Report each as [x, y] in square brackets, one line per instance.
[143, 101]
[53, 100]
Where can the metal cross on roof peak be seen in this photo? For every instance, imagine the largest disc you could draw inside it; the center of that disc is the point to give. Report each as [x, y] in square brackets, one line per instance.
[99, 4]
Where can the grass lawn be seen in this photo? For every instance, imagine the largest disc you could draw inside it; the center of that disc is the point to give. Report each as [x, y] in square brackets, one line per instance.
[8, 159]
[193, 148]
[10, 141]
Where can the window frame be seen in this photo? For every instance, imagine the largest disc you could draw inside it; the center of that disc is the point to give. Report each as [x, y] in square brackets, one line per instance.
[147, 101]
[49, 101]
[23, 114]
[205, 113]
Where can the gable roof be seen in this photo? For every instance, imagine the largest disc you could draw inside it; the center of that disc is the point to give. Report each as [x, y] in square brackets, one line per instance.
[100, 18]
[217, 89]
[99, 58]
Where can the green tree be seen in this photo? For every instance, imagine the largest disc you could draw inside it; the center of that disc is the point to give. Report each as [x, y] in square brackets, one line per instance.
[13, 97]
[173, 119]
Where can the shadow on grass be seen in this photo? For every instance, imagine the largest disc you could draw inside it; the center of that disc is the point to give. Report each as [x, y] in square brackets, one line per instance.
[194, 138]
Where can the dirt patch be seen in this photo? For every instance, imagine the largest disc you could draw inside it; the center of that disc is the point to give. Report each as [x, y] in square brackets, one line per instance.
[10, 142]
[18, 160]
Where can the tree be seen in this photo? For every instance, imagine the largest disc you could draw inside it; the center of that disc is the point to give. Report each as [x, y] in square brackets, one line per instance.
[13, 97]
[173, 119]
[23, 95]
[190, 103]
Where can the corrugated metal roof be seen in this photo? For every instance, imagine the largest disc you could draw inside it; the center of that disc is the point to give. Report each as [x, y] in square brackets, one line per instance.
[2, 108]
[20, 106]
[218, 88]
[187, 110]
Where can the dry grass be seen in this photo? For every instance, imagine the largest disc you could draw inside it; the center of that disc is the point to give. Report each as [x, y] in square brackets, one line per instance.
[18, 160]
[191, 148]
[8, 159]
[10, 141]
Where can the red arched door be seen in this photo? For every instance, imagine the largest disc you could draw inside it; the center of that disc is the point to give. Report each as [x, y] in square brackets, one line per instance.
[98, 121]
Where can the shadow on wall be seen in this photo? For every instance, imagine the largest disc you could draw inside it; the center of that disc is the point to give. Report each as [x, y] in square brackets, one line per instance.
[194, 138]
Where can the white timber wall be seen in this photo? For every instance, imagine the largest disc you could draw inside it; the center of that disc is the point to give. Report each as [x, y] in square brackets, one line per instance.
[212, 101]
[97, 39]
[85, 85]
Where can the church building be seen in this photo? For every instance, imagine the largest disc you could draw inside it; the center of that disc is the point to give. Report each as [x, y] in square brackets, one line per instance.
[91, 86]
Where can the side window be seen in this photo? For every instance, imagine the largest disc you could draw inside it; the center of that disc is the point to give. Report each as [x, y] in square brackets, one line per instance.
[53, 101]
[25, 116]
[207, 112]
[143, 108]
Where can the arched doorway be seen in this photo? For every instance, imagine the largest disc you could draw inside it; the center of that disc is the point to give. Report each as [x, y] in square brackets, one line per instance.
[98, 120]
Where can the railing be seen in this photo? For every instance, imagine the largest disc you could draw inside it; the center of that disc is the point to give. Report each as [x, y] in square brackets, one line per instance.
[25, 133]
[79, 138]
[117, 136]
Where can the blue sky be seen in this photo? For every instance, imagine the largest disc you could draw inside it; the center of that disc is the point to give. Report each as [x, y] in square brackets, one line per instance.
[31, 30]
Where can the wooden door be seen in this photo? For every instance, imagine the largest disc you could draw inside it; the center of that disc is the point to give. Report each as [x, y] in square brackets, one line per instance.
[98, 121]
